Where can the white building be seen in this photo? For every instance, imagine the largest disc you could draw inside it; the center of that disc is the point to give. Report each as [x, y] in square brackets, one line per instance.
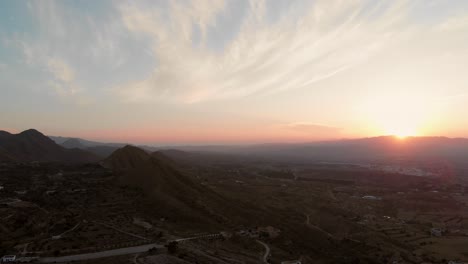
[8, 258]
[437, 232]
[371, 197]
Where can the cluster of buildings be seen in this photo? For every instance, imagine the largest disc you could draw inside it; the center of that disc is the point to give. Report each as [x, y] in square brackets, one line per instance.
[260, 232]
[8, 259]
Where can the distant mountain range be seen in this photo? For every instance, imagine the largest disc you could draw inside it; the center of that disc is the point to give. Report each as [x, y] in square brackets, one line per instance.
[349, 150]
[352, 150]
[32, 145]
[100, 149]
[70, 141]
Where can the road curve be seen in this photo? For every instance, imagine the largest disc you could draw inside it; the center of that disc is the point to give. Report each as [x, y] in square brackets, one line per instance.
[101, 254]
[267, 251]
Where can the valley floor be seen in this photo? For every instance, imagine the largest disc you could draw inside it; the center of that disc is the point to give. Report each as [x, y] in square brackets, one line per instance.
[63, 213]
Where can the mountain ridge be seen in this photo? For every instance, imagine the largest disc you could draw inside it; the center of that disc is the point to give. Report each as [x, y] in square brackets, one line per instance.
[172, 191]
[31, 145]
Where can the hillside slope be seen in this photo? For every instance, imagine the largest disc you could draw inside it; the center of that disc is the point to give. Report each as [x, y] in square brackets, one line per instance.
[177, 195]
[32, 145]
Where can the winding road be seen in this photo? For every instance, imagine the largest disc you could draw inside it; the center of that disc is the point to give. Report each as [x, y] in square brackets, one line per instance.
[267, 251]
[101, 254]
[68, 231]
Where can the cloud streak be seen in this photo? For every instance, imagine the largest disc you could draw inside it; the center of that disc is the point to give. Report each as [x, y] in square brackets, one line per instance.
[214, 63]
[309, 43]
[64, 77]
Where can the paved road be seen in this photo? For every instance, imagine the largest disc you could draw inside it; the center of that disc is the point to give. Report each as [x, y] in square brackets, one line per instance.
[101, 254]
[267, 251]
[116, 252]
[197, 237]
[68, 231]
[307, 222]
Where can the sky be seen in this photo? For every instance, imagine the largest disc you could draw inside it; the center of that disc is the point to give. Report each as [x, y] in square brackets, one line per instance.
[234, 71]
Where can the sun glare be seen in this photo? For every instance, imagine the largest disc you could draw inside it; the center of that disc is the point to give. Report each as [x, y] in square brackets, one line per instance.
[401, 114]
[402, 133]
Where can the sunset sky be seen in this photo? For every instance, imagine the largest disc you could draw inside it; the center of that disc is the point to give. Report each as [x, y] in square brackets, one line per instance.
[234, 71]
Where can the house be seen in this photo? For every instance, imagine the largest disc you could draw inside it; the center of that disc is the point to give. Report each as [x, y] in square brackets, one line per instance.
[370, 197]
[253, 233]
[51, 192]
[437, 232]
[23, 192]
[8, 258]
[226, 234]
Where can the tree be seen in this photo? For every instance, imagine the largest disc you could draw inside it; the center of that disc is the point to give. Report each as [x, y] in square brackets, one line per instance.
[172, 247]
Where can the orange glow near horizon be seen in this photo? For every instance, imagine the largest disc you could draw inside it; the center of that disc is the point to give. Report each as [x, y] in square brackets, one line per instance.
[403, 132]
[399, 113]
[222, 136]
[203, 135]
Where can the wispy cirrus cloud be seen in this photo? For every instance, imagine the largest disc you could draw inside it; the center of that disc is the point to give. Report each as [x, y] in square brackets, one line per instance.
[456, 23]
[64, 77]
[177, 61]
[180, 51]
[74, 52]
[309, 42]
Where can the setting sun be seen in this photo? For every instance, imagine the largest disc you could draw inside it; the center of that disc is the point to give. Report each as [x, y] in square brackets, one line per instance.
[402, 132]
[398, 113]
[402, 135]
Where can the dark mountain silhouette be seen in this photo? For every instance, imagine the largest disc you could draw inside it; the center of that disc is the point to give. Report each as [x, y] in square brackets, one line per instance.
[128, 157]
[83, 143]
[98, 149]
[176, 194]
[31, 145]
[102, 151]
[4, 156]
[153, 172]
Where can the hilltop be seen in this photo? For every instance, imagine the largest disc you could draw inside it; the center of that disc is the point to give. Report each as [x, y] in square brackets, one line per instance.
[32, 145]
[174, 192]
[128, 157]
